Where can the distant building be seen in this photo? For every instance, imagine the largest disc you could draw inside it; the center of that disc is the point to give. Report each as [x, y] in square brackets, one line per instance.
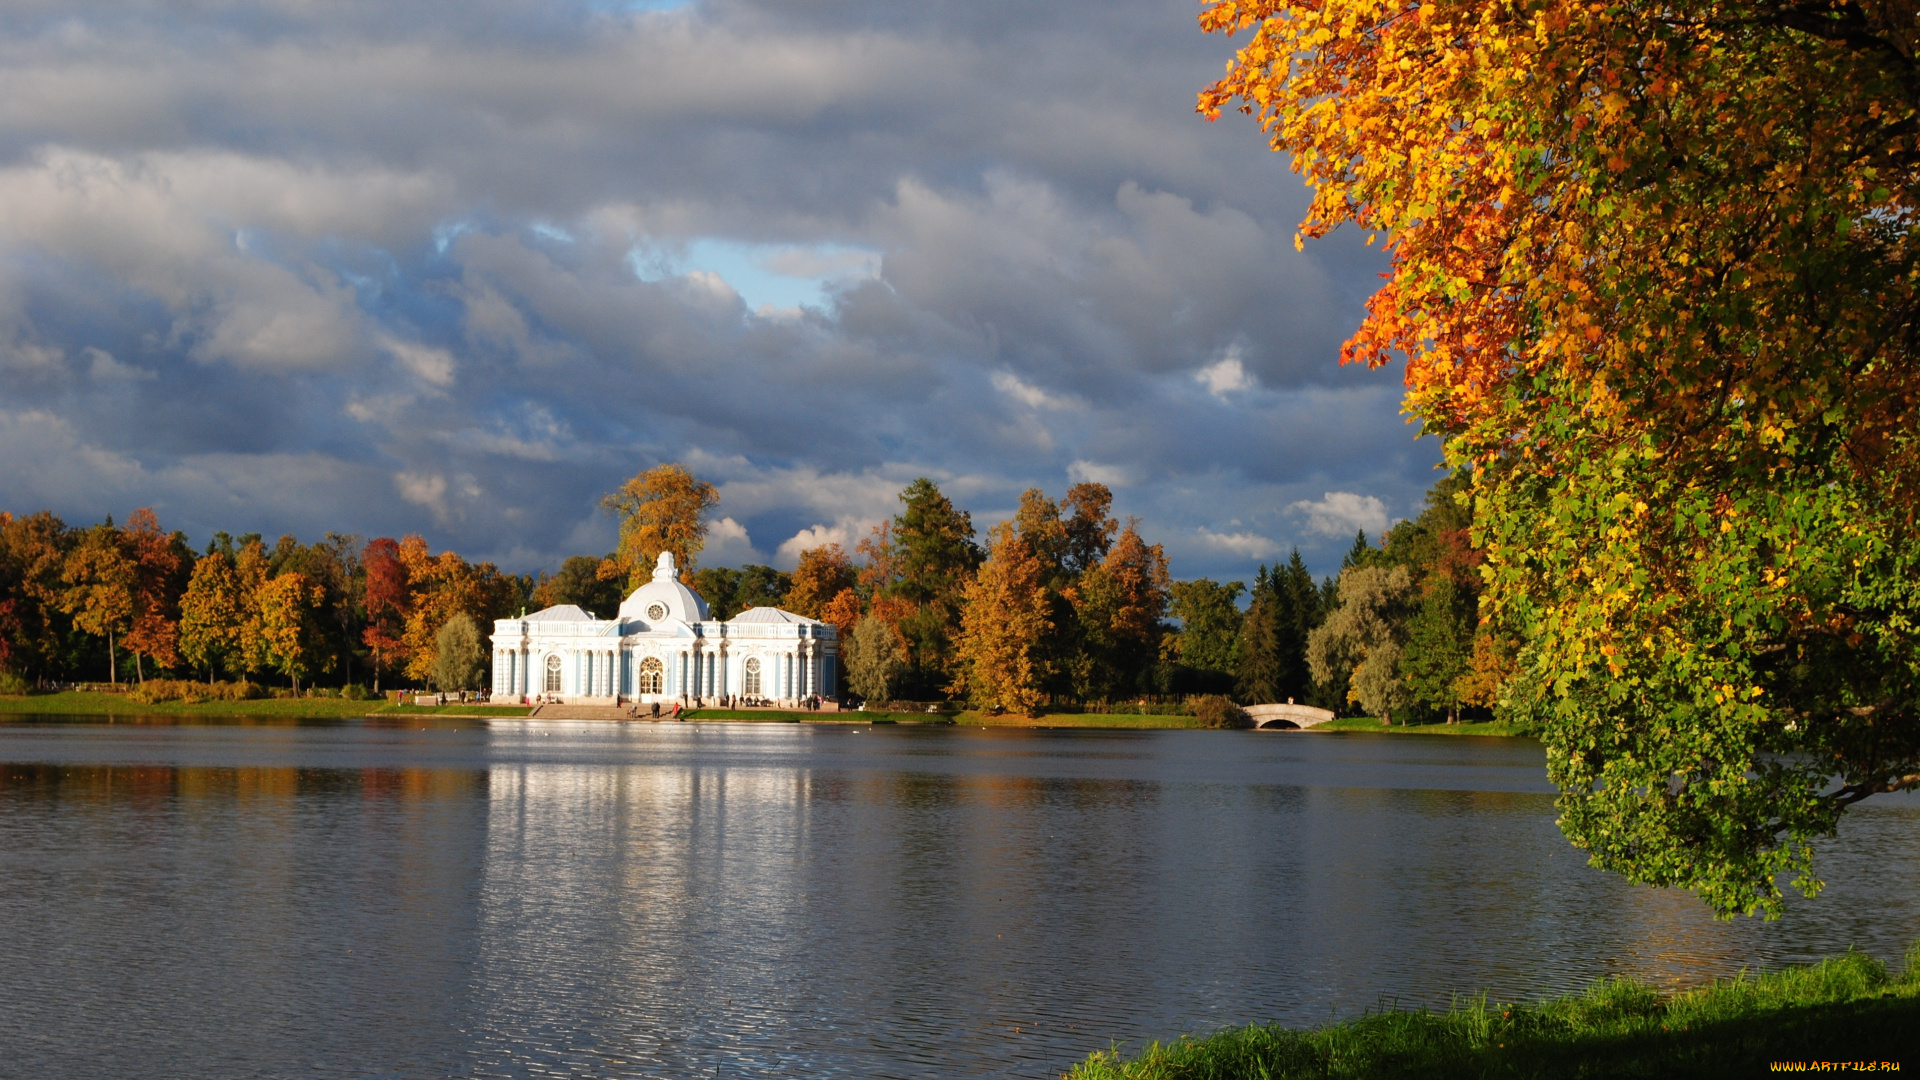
[664, 647]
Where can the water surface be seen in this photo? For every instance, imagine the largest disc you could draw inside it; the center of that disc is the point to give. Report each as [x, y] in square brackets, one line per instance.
[685, 900]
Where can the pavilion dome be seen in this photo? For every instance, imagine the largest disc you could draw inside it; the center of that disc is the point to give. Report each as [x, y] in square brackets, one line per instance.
[664, 599]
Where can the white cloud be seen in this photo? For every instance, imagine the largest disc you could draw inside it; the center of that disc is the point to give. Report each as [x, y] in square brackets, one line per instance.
[1228, 375]
[423, 489]
[1028, 394]
[426, 363]
[846, 533]
[728, 544]
[1092, 472]
[1249, 545]
[1341, 513]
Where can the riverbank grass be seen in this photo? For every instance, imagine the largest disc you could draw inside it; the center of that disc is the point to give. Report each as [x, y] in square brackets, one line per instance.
[87, 703]
[1373, 724]
[1846, 1009]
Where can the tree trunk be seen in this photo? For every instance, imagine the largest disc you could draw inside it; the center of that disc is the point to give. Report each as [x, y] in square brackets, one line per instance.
[138, 670]
[113, 672]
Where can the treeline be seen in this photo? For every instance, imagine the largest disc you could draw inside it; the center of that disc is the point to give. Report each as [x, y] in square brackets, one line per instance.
[1063, 604]
[1061, 610]
[77, 603]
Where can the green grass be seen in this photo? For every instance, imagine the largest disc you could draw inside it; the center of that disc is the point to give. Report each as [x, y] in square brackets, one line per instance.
[1372, 723]
[1849, 1009]
[965, 719]
[82, 703]
[1079, 720]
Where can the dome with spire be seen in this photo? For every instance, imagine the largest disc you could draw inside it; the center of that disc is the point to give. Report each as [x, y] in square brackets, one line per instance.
[664, 599]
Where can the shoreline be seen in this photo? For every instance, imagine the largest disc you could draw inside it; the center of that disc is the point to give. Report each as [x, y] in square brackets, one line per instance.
[88, 703]
[1848, 1010]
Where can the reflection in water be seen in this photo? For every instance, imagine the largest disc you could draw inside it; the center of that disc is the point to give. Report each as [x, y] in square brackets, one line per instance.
[688, 900]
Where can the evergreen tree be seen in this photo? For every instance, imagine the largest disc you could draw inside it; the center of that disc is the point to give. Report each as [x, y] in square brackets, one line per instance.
[1256, 655]
[933, 558]
[1439, 647]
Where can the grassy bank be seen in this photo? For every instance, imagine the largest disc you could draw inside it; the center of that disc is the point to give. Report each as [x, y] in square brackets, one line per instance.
[964, 719]
[1373, 724]
[1079, 720]
[83, 703]
[1847, 1009]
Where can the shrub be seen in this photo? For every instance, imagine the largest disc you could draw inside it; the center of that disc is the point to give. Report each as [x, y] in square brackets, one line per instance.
[1218, 712]
[357, 692]
[155, 691]
[13, 685]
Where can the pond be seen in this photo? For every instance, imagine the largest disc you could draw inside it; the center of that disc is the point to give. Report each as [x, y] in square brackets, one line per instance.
[518, 898]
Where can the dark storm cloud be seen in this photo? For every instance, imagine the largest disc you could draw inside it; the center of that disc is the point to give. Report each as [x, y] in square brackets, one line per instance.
[460, 268]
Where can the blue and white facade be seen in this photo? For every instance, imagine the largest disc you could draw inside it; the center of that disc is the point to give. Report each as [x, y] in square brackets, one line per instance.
[664, 647]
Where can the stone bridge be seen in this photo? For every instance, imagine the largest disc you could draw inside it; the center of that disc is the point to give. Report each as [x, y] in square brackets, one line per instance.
[1289, 715]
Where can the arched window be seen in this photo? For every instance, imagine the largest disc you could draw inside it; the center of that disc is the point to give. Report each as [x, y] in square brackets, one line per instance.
[553, 674]
[653, 676]
[750, 679]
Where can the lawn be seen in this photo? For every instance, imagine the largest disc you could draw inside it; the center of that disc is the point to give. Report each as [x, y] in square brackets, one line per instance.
[83, 703]
[1373, 724]
[1079, 720]
[1849, 1009]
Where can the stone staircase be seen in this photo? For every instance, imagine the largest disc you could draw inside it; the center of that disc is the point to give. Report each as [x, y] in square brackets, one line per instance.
[587, 712]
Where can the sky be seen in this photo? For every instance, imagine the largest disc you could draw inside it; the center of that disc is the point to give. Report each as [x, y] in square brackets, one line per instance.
[462, 268]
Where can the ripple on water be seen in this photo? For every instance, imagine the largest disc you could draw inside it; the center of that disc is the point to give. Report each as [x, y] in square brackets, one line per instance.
[686, 900]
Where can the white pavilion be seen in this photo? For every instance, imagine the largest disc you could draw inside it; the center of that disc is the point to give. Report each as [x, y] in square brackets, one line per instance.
[664, 647]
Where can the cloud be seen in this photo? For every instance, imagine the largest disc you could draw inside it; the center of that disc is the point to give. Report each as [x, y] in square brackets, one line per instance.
[729, 545]
[1226, 375]
[310, 267]
[430, 365]
[1342, 513]
[1026, 394]
[1244, 544]
[1113, 476]
[845, 533]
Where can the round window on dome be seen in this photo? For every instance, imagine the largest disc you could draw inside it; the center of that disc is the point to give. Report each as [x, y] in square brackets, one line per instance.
[656, 612]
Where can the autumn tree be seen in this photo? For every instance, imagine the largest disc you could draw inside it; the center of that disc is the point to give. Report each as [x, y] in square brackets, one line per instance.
[213, 616]
[1120, 604]
[99, 594]
[844, 611]
[440, 586]
[386, 603]
[289, 631]
[823, 574]
[1005, 622]
[33, 622]
[161, 564]
[1654, 270]
[252, 570]
[1089, 529]
[662, 509]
